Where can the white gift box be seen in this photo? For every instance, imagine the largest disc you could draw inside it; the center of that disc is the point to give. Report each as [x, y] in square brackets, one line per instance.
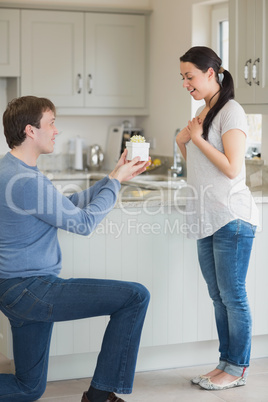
[140, 149]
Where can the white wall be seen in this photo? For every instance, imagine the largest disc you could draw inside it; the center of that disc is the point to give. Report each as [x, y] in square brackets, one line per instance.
[170, 37]
[175, 26]
[169, 104]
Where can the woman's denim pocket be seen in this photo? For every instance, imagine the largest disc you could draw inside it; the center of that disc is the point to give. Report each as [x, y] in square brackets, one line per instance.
[240, 227]
[247, 229]
[253, 228]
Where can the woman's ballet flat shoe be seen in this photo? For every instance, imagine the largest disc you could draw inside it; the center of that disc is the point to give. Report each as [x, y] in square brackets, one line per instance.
[207, 384]
[196, 380]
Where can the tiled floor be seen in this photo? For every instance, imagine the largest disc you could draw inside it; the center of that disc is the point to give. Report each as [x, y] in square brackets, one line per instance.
[168, 386]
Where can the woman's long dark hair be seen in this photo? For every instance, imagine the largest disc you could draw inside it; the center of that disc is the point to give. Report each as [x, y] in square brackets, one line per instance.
[204, 58]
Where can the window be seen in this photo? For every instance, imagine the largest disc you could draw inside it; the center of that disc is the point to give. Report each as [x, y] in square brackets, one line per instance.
[254, 135]
[220, 43]
[211, 28]
[220, 32]
[224, 43]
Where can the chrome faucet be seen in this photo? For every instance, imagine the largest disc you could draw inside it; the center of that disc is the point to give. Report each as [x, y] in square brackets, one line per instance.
[176, 169]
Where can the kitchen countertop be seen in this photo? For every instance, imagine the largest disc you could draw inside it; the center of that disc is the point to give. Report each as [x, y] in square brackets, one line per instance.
[172, 198]
[158, 193]
[260, 194]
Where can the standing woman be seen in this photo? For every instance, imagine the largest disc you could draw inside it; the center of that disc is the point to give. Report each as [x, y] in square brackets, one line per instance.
[221, 213]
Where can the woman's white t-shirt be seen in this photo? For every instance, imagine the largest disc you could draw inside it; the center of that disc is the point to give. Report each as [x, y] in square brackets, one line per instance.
[213, 199]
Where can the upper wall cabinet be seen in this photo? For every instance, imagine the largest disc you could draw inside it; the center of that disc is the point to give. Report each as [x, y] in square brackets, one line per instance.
[115, 60]
[52, 56]
[248, 50]
[9, 43]
[93, 63]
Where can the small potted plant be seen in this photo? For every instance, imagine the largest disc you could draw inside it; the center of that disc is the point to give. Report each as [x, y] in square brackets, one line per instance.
[137, 147]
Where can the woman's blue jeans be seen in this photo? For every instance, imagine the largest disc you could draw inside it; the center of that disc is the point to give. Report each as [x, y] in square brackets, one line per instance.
[34, 304]
[224, 259]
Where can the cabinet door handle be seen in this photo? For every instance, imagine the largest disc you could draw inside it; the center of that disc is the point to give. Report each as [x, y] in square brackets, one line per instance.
[255, 71]
[79, 83]
[246, 72]
[90, 83]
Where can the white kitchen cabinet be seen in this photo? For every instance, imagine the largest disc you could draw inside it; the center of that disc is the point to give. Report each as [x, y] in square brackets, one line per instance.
[248, 50]
[258, 275]
[90, 62]
[128, 245]
[9, 43]
[115, 60]
[148, 245]
[52, 56]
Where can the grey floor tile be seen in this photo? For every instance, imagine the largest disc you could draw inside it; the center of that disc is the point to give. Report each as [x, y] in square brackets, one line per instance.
[66, 388]
[256, 390]
[189, 372]
[167, 386]
[6, 365]
[259, 366]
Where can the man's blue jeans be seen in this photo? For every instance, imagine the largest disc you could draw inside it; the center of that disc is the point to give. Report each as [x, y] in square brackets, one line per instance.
[34, 304]
[224, 259]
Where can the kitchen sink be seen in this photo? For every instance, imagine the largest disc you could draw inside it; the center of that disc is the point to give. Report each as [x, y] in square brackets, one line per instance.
[158, 181]
[155, 177]
[68, 184]
[138, 188]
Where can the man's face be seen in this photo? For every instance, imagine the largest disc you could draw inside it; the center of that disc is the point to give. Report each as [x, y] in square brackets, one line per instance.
[45, 135]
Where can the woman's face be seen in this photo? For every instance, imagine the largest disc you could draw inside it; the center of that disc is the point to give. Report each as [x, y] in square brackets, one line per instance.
[199, 84]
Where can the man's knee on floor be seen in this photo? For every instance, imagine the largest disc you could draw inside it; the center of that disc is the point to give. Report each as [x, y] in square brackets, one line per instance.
[33, 390]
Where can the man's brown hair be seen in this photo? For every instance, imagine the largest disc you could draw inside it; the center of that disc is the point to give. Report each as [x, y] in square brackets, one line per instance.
[20, 112]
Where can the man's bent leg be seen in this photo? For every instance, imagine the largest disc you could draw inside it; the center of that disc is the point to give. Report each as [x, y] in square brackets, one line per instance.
[117, 359]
